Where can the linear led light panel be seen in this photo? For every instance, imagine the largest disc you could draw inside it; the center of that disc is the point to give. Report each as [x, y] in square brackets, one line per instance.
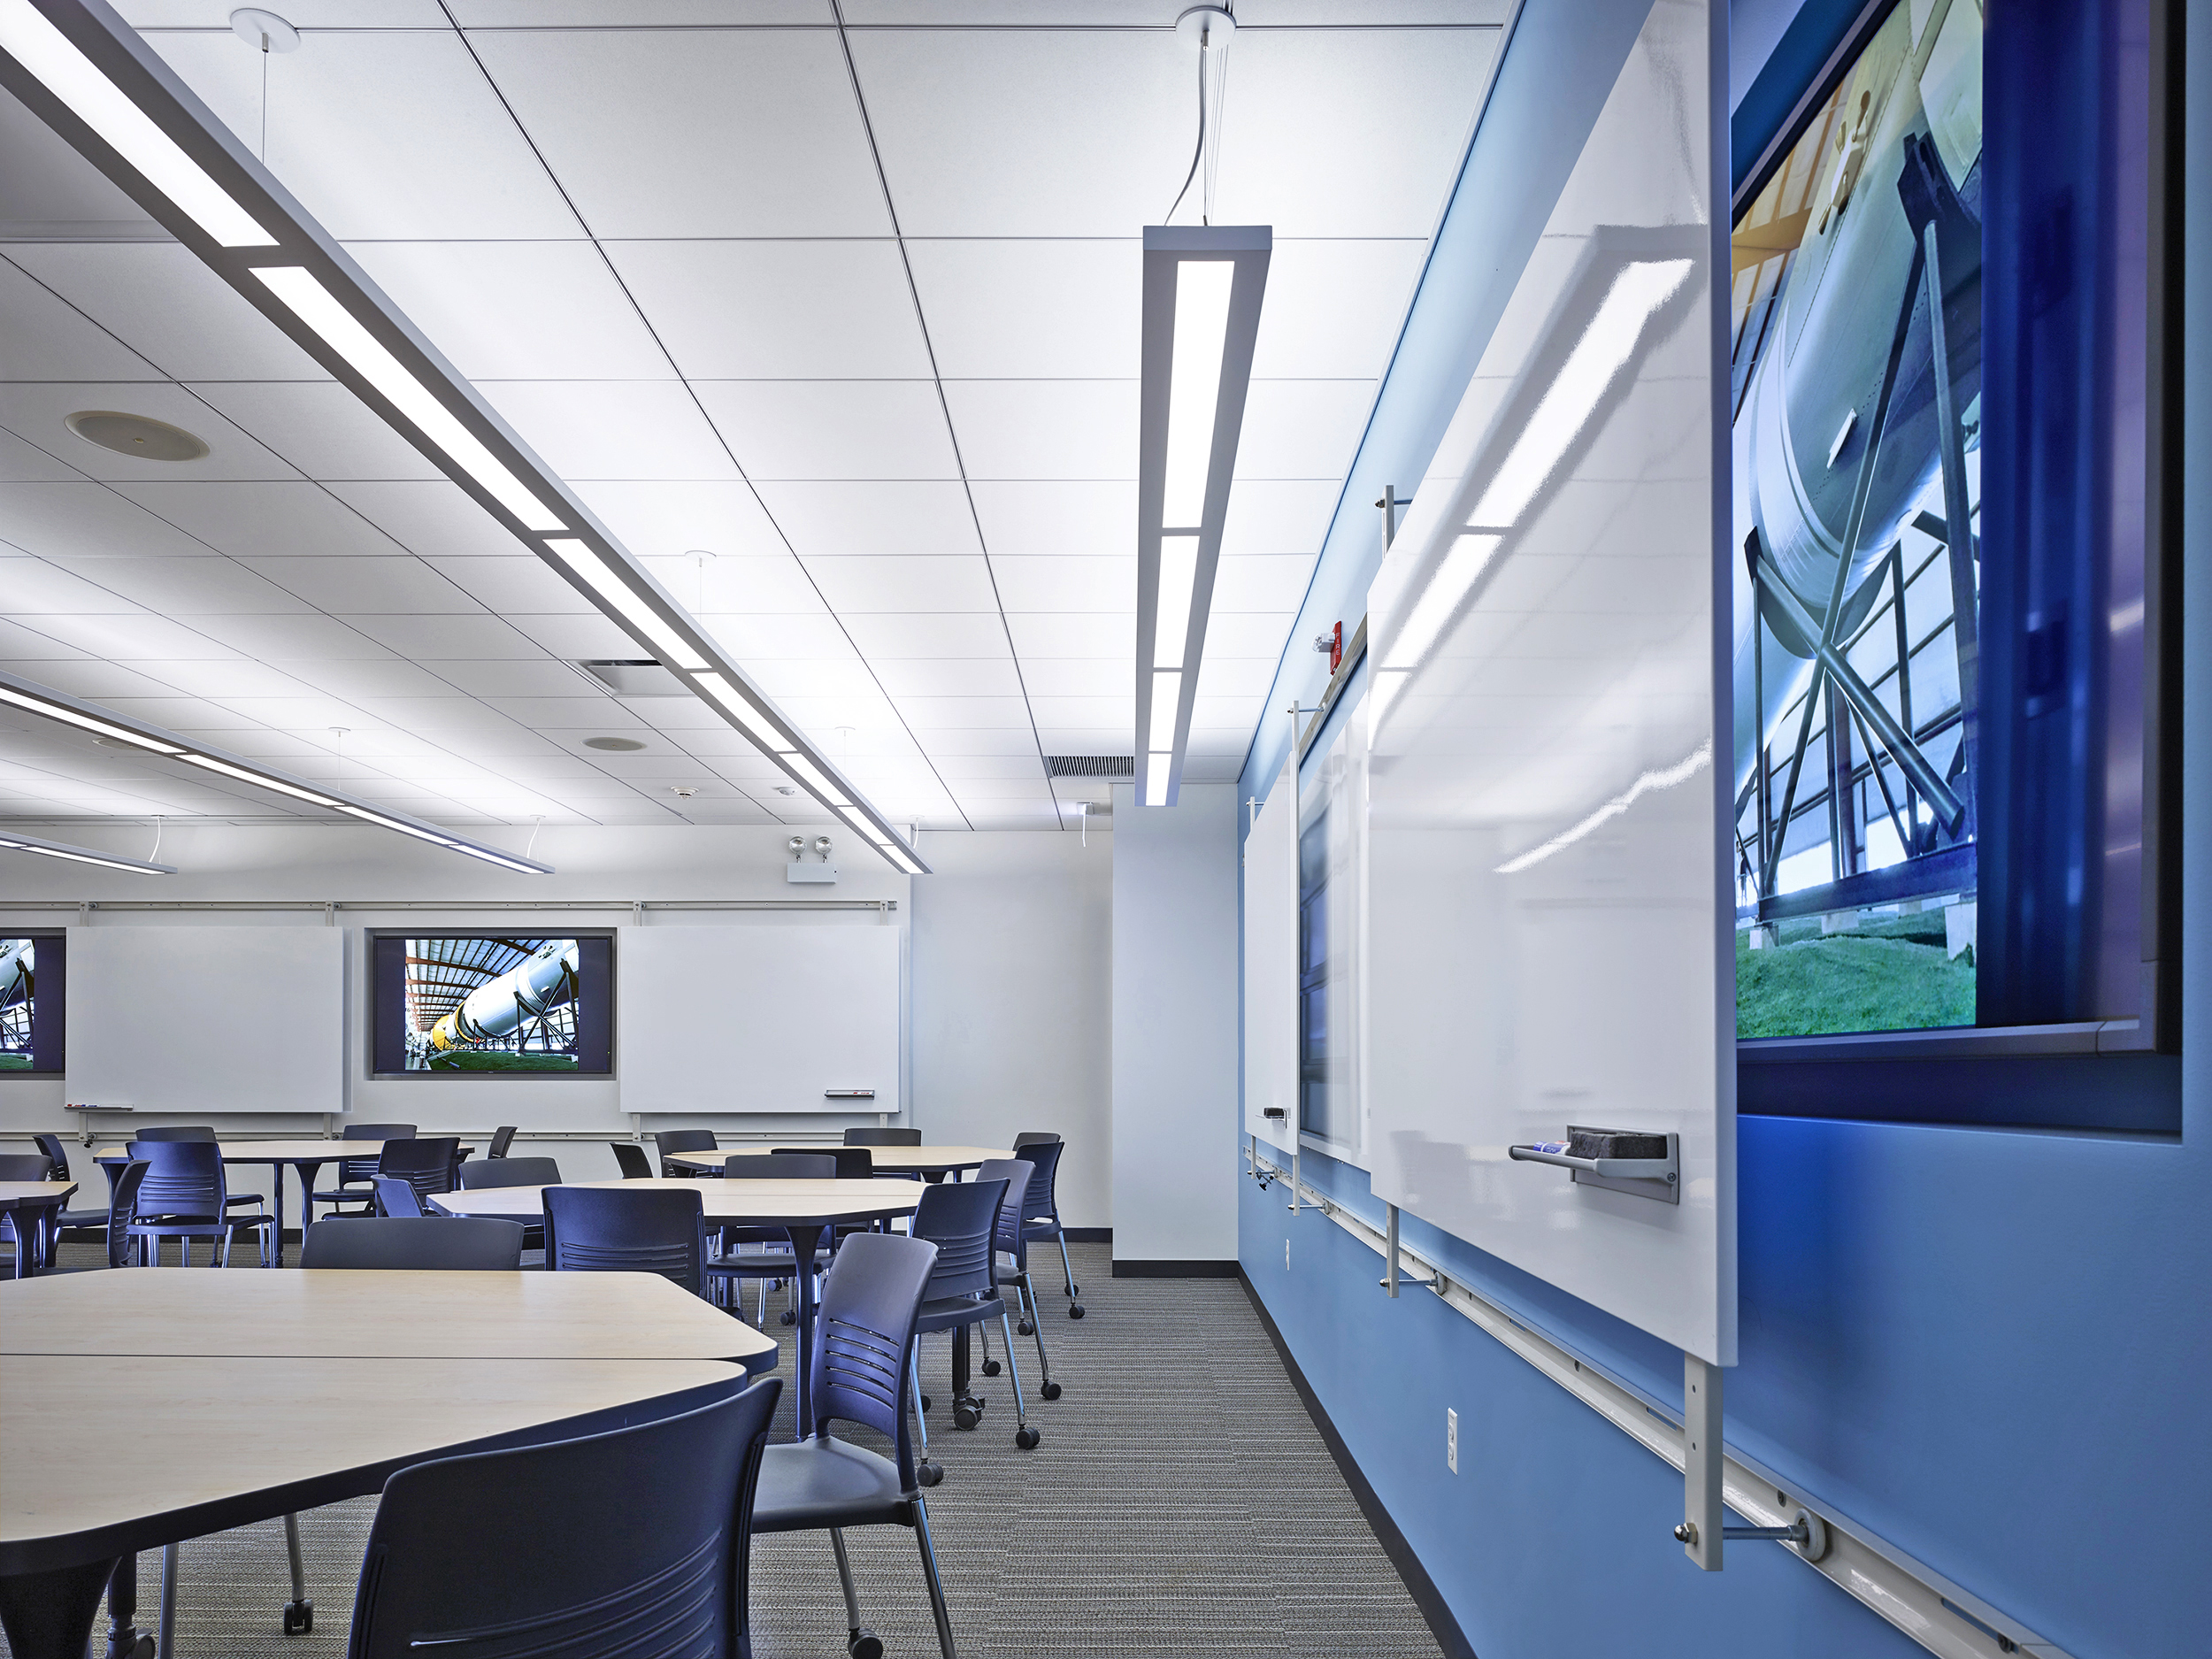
[54, 705]
[1202, 287]
[15, 840]
[86, 72]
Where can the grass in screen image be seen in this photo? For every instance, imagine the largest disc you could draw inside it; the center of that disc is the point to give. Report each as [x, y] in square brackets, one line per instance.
[14, 1061]
[1891, 974]
[497, 1060]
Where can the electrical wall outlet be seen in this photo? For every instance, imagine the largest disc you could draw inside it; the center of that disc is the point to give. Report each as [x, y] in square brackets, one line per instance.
[1451, 1439]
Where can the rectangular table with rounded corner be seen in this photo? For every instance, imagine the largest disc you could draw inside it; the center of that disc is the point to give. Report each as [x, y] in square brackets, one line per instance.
[804, 1210]
[26, 1199]
[900, 1160]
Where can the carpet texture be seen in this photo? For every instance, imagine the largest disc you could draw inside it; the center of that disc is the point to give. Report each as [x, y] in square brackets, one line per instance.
[1181, 1502]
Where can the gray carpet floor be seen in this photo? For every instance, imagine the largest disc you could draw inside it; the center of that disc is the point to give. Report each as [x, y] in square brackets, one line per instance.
[1181, 1502]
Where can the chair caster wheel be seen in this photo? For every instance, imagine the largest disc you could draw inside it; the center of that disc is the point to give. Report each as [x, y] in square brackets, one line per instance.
[964, 1418]
[788, 1316]
[142, 1649]
[1024, 1329]
[991, 1368]
[1051, 1390]
[299, 1617]
[864, 1644]
[1074, 1291]
[1075, 1310]
[929, 1473]
[926, 1402]
[1026, 1439]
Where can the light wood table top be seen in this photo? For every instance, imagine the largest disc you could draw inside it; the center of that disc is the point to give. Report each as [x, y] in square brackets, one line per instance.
[19, 1194]
[327, 1314]
[277, 1151]
[912, 1160]
[105, 1458]
[766, 1203]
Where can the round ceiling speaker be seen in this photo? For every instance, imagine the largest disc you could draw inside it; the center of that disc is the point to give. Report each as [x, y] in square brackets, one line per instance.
[138, 435]
[617, 745]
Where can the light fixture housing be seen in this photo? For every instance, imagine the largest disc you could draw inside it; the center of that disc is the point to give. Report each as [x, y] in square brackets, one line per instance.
[15, 692]
[15, 840]
[296, 275]
[1202, 287]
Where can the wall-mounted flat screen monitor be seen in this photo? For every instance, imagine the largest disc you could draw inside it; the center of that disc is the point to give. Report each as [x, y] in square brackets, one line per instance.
[492, 1004]
[33, 1024]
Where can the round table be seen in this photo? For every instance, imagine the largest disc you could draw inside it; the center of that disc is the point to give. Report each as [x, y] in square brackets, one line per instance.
[32, 1200]
[930, 1161]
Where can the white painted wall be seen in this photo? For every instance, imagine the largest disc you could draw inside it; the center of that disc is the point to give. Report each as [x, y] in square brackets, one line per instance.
[1012, 976]
[1175, 1026]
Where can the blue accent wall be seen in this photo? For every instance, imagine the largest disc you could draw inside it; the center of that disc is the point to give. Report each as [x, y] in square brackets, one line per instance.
[1987, 1346]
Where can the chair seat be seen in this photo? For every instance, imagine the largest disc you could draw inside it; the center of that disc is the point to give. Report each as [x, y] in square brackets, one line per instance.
[827, 1482]
[347, 1194]
[96, 1219]
[954, 1311]
[756, 1265]
[239, 1200]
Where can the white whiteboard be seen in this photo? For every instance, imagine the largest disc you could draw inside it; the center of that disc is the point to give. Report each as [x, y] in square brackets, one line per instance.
[1548, 904]
[759, 1018]
[1270, 966]
[208, 1019]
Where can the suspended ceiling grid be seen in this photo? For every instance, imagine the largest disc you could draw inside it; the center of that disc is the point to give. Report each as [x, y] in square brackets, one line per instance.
[836, 326]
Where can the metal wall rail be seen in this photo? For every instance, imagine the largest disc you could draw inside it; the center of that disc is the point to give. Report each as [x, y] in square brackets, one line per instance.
[454, 906]
[1938, 1614]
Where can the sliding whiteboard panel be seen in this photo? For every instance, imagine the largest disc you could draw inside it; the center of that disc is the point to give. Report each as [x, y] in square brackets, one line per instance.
[1548, 905]
[1270, 966]
[208, 1019]
[763, 1017]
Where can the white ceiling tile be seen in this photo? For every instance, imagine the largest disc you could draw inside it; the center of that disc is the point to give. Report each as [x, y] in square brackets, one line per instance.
[926, 714]
[301, 14]
[183, 714]
[1228, 742]
[1068, 633]
[1079, 677]
[686, 132]
[102, 682]
[47, 182]
[1002, 796]
[189, 587]
[681, 717]
[1094, 584]
[160, 299]
[269, 518]
[1347, 132]
[837, 519]
[1046, 429]
[1332, 309]
[1117, 713]
[39, 411]
[35, 588]
[950, 676]
[21, 644]
[833, 429]
[430, 516]
[324, 638]
[1234, 676]
[1031, 133]
[1274, 583]
[1225, 713]
[761, 638]
[540, 678]
[1279, 516]
[320, 426]
[927, 633]
[574, 637]
[565, 713]
[1024, 516]
[461, 723]
[226, 680]
[51, 339]
[366, 128]
[424, 637]
[524, 586]
[1208, 769]
[1035, 310]
[913, 582]
[87, 520]
[399, 586]
[359, 678]
[1306, 429]
[519, 310]
[621, 429]
[955, 768]
[24, 462]
[666, 519]
[301, 710]
[797, 677]
[778, 310]
[1004, 741]
[1250, 634]
[1377, 13]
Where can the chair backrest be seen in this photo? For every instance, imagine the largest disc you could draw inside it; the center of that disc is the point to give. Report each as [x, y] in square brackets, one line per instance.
[355, 1171]
[183, 1177]
[960, 1220]
[634, 1230]
[426, 1164]
[779, 1166]
[510, 1172]
[1019, 1174]
[502, 1138]
[510, 1552]
[395, 1196]
[121, 1204]
[476, 1244]
[669, 1140]
[1034, 1138]
[25, 1166]
[631, 1158]
[883, 1137]
[1045, 1155]
[854, 1164]
[57, 1156]
[179, 1131]
[864, 1336]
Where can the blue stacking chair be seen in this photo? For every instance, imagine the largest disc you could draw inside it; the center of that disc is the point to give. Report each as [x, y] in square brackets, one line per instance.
[962, 1222]
[864, 1345]
[883, 1137]
[1012, 1243]
[669, 1140]
[471, 1244]
[357, 1177]
[1040, 1216]
[735, 1264]
[513, 1553]
[183, 1197]
[638, 1230]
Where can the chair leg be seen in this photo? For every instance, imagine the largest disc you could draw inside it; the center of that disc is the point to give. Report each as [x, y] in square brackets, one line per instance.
[299, 1612]
[1025, 1437]
[165, 1643]
[936, 1585]
[926, 1470]
[1075, 1308]
[860, 1641]
[1046, 1386]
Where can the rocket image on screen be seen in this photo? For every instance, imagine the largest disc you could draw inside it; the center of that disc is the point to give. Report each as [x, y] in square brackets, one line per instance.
[492, 1003]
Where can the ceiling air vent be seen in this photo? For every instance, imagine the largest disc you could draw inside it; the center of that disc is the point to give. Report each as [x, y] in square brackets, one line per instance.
[1090, 765]
[639, 677]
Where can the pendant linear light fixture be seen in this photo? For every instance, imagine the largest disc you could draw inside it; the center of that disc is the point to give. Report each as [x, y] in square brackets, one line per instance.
[15, 840]
[1202, 286]
[17, 693]
[83, 70]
